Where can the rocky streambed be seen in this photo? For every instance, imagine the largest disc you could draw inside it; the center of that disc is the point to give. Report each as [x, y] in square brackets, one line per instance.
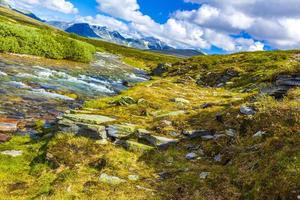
[30, 93]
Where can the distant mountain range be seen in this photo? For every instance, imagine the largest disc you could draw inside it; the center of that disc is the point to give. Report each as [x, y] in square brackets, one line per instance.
[104, 33]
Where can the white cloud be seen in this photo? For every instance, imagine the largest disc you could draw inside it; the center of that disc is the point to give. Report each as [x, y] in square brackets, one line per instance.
[102, 20]
[56, 5]
[214, 23]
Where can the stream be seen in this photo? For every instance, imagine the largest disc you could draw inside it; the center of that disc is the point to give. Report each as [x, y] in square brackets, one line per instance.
[28, 93]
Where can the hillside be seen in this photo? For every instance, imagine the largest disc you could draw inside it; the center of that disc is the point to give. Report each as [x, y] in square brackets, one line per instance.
[205, 130]
[65, 45]
[216, 127]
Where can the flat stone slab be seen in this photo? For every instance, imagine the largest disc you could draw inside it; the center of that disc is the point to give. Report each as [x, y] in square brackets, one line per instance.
[93, 131]
[120, 130]
[195, 134]
[12, 153]
[89, 119]
[157, 141]
[8, 125]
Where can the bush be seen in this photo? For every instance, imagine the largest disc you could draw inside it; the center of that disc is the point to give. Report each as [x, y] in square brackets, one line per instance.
[27, 40]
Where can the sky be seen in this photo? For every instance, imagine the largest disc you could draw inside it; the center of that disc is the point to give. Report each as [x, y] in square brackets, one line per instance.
[213, 26]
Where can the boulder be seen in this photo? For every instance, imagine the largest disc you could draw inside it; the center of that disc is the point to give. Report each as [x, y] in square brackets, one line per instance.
[87, 130]
[4, 138]
[160, 69]
[191, 156]
[112, 180]
[247, 110]
[120, 131]
[156, 141]
[89, 119]
[195, 134]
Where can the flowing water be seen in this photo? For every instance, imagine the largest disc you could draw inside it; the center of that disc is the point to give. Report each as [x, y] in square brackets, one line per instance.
[35, 92]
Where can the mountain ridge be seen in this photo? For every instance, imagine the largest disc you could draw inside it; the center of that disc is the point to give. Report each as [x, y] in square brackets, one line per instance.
[104, 33]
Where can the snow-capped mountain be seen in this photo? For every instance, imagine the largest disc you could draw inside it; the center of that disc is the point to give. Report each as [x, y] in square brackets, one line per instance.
[104, 33]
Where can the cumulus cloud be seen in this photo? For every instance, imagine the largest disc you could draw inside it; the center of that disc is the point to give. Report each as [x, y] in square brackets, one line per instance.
[186, 29]
[273, 21]
[56, 5]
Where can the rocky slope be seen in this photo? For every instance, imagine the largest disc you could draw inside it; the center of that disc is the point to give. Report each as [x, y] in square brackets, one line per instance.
[205, 129]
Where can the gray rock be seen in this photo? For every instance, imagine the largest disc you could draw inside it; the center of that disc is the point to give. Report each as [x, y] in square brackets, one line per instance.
[156, 141]
[191, 156]
[112, 180]
[231, 133]
[87, 130]
[204, 175]
[247, 110]
[218, 158]
[160, 69]
[120, 131]
[12, 153]
[88, 119]
[208, 137]
[195, 134]
[259, 134]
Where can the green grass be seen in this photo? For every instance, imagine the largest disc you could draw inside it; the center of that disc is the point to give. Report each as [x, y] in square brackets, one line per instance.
[21, 39]
[21, 34]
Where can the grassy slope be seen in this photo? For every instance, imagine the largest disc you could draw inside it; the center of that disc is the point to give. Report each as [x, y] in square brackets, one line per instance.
[15, 20]
[251, 168]
[20, 34]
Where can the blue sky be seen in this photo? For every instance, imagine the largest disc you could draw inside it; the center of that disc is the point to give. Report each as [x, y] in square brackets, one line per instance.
[213, 26]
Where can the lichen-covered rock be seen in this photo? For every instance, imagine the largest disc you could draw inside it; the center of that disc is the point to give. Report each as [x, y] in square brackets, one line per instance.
[156, 141]
[120, 131]
[124, 101]
[83, 129]
[112, 180]
[89, 119]
[160, 69]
